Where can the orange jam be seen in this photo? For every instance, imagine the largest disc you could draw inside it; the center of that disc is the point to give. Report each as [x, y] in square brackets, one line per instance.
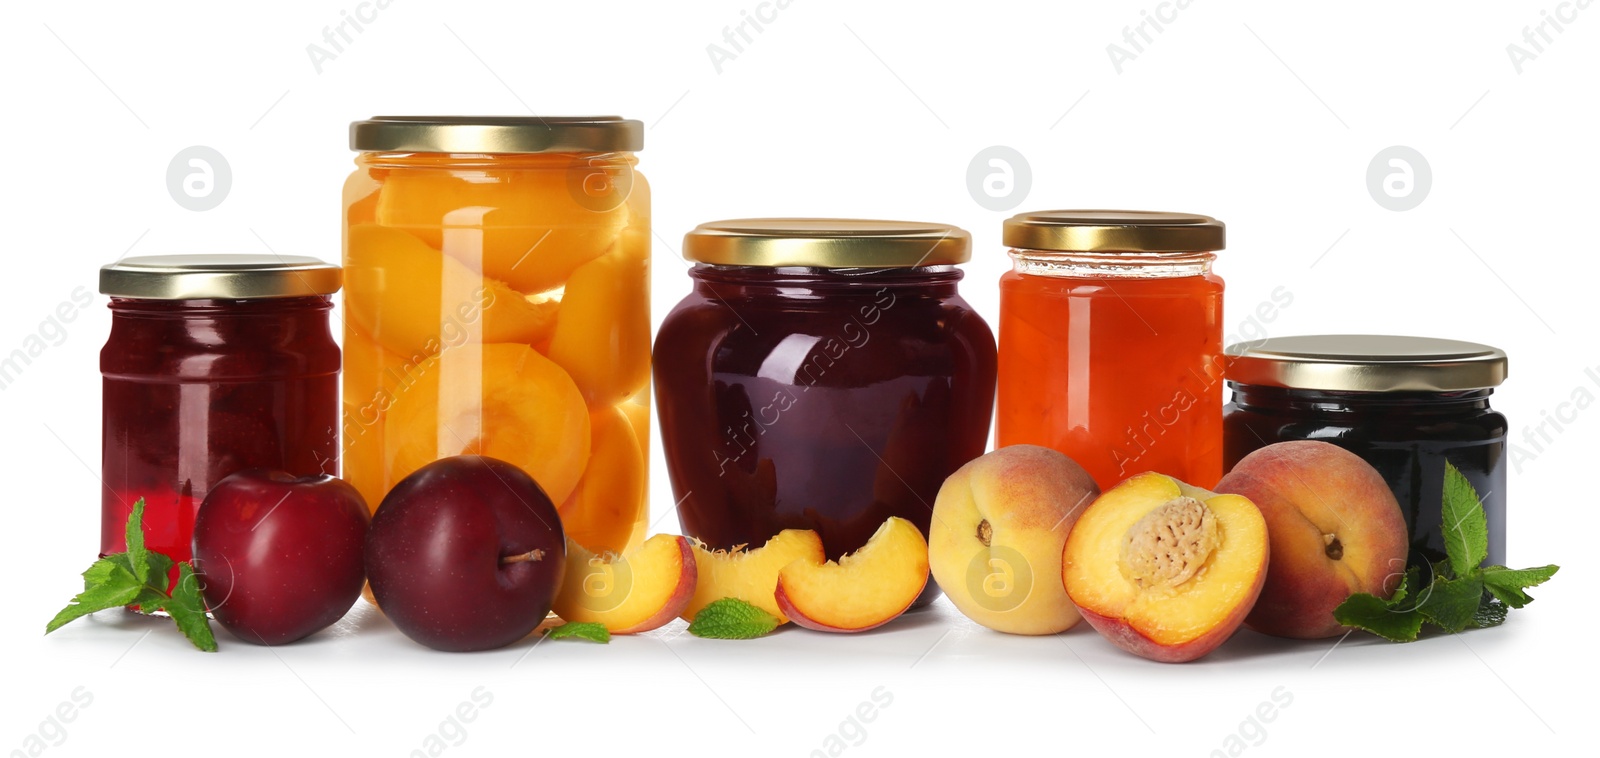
[1111, 342]
[497, 303]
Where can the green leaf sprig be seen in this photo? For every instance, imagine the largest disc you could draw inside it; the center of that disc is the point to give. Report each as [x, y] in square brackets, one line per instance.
[583, 630]
[732, 619]
[141, 577]
[1461, 593]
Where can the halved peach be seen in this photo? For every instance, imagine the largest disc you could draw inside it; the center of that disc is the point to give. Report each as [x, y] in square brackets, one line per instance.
[416, 301]
[1165, 570]
[524, 225]
[602, 336]
[607, 510]
[631, 593]
[504, 401]
[862, 590]
[751, 575]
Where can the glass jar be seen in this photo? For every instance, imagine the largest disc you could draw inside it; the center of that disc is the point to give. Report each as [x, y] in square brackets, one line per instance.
[1111, 342]
[1407, 405]
[497, 302]
[215, 363]
[822, 374]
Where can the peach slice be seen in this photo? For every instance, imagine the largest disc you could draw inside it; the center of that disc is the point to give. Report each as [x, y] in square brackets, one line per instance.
[523, 225]
[1165, 570]
[607, 510]
[417, 302]
[361, 196]
[751, 575]
[1335, 527]
[363, 211]
[361, 462]
[503, 401]
[862, 590]
[602, 337]
[373, 378]
[367, 389]
[632, 593]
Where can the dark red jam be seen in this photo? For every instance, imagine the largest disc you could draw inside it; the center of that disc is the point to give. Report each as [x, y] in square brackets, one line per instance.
[195, 390]
[825, 399]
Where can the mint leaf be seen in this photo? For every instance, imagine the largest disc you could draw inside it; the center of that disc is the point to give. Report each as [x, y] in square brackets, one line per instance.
[188, 611]
[105, 585]
[160, 571]
[1490, 614]
[141, 577]
[107, 569]
[155, 585]
[1466, 531]
[138, 556]
[1374, 614]
[1507, 585]
[1451, 603]
[1401, 599]
[732, 619]
[582, 630]
[150, 600]
[1461, 594]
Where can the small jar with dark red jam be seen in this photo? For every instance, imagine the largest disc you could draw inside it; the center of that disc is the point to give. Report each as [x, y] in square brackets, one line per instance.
[1407, 405]
[215, 363]
[822, 374]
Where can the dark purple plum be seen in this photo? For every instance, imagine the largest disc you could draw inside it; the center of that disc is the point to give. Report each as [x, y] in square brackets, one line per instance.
[466, 554]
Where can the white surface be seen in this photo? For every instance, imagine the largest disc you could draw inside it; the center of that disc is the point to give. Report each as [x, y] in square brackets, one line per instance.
[1263, 115]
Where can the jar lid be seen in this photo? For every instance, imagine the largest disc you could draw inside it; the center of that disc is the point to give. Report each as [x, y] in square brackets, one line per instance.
[496, 134]
[1113, 232]
[218, 277]
[827, 243]
[1366, 363]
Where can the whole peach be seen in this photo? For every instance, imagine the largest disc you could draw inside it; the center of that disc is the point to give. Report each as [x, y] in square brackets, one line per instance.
[998, 528]
[1335, 529]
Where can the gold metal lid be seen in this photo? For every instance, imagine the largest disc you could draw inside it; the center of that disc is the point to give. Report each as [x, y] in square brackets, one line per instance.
[496, 134]
[1366, 363]
[1114, 232]
[827, 243]
[218, 277]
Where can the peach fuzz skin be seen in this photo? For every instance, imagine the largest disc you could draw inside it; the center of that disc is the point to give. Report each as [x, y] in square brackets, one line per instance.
[1024, 499]
[1335, 528]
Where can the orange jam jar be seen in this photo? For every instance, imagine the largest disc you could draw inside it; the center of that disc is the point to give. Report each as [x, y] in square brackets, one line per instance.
[1111, 342]
[497, 302]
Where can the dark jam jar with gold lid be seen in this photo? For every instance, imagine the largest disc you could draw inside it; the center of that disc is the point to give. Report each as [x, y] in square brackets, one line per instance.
[215, 363]
[1407, 405]
[821, 374]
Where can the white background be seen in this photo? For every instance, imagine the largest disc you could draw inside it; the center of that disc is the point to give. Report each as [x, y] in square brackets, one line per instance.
[1264, 115]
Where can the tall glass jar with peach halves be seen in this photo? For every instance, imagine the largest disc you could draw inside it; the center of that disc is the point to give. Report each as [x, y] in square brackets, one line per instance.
[497, 302]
